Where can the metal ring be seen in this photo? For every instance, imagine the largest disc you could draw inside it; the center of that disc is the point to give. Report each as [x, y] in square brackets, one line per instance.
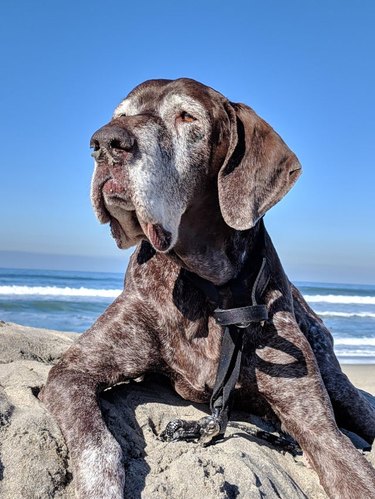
[242, 325]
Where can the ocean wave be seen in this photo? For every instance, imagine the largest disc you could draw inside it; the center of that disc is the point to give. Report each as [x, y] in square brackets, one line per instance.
[346, 299]
[17, 290]
[56, 291]
[356, 357]
[360, 342]
[362, 315]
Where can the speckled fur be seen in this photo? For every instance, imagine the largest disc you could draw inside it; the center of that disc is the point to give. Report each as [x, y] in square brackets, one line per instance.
[209, 182]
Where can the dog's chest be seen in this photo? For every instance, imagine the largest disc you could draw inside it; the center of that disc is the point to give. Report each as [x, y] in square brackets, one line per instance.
[192, 353]
[189, 339]
[190, 350]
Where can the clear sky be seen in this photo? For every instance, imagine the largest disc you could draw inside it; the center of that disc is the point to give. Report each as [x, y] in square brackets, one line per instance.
[307, 67]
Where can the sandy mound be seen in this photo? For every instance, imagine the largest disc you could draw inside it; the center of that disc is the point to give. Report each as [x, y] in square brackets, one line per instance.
[34, 462]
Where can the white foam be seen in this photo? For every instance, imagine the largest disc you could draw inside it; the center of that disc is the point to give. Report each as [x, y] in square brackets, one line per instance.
[356, 357]
[113, 293]
[56, 291]
[347, 314]
[350, 299]
[361, 342]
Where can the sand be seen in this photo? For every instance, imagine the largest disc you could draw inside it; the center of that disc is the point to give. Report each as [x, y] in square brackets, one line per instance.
[34, 461]
[361, 375]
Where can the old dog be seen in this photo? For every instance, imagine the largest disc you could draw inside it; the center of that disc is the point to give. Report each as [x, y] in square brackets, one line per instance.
[187, 176]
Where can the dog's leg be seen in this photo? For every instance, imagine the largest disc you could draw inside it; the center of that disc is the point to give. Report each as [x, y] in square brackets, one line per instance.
[289, 379]
[98, 469]
[114, 348]
[352, 410]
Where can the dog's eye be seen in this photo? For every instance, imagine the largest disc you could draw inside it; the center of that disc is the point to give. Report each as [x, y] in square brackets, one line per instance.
[186, 117]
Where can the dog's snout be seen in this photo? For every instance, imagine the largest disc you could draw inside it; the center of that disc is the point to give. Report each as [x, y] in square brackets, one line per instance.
[113, 140]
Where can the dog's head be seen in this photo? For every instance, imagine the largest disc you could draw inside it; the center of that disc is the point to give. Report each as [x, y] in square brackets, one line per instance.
[166, 143]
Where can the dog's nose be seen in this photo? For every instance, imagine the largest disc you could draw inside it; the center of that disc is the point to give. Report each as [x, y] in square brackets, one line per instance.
[112, 139]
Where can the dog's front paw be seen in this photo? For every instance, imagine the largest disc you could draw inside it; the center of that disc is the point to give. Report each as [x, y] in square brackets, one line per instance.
[100, 471]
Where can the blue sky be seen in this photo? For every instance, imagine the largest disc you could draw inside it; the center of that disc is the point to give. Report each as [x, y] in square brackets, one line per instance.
[307, 67]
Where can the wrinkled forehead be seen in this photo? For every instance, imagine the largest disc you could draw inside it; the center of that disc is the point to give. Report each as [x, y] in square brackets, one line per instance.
[163, 95]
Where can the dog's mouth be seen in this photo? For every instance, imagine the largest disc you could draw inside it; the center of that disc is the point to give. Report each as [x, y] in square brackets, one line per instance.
[128, 230]
[159, 237]
[128, 227]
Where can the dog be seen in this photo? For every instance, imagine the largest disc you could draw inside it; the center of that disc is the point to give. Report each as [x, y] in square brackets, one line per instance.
[187, 176]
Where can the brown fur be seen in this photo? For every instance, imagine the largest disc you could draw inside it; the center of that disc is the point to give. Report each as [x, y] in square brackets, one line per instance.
[217, 176]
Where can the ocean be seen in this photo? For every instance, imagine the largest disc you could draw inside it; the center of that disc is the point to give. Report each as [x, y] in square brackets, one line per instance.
[71, 301]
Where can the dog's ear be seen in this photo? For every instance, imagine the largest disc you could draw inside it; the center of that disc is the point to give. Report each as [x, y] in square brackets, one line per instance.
[259, 169]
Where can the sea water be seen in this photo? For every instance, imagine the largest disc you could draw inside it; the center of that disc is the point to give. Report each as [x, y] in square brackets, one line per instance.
[72, 301]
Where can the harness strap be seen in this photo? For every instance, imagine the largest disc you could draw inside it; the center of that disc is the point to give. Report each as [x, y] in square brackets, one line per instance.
[235, 322]
[242, 316]
[227, 375]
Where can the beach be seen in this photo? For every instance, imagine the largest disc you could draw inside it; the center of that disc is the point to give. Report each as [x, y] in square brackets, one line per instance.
[361, 375]
[31, 444]
[67, 303]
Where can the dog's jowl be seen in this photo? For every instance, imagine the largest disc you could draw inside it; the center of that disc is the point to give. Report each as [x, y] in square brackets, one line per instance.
[186, 176]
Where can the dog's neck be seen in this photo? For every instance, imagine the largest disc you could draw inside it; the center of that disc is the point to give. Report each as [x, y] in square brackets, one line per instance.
[208, 247]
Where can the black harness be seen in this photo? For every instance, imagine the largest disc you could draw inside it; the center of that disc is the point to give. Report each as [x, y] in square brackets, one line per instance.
[237, 319]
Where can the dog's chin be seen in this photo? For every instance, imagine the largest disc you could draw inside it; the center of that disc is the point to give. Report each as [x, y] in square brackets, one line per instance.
[128, 237]
[130, 229]
[131, 223]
